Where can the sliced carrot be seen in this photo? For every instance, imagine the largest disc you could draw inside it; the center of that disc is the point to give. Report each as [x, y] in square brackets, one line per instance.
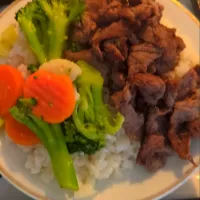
[19, 133]
[11, 88]
[54, 94]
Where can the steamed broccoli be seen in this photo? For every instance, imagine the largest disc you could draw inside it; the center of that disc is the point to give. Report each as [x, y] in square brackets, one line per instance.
[52, 136]
[92, 117]
[32, 68]
[77, 142]
[46, 23]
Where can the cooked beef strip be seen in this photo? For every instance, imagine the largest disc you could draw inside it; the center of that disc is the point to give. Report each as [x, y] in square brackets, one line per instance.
[116, 29]
[166, 39]
[133, 39]
[187, 85]
[113, 54]
[157, 121]
[197, 69]
[153, 153]
[125, 96]
[118, 77]
[116, 11]
[151, 87]
[187, 110]
[116, 49]
[194, 128]
[88, 56]
[177, 90]
[134, 2]
[141, 56]
[133, 122]
[170, 92]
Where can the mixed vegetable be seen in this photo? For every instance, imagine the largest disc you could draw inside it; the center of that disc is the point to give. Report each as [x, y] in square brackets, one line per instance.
[61, 103]
[46, 25]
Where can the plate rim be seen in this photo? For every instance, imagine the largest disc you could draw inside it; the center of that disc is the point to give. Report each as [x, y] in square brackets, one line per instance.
[26, 190]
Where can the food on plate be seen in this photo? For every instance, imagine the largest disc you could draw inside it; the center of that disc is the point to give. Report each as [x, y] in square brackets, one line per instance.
[11, 88]
[40, 20]
[7, 39]
[104, 90]
[54, 95]
[20, 133]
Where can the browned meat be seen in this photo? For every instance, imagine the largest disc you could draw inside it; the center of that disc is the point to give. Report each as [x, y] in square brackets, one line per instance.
[87, 26]
[166, 39]
[116, 11]
[187, 85]
[133, 39]
[116, 50]
[197, 69]
[112, 52]
[124, 96]
[116, 29]
[186, 110]
[194, 128]
[118, 77]
[88, 56]
[151, 87]
[181, 144]
[133, 122]
[141, 56]
[134, 2]
[153, 153]
[157, 122]
[157, 8]
[170, 93]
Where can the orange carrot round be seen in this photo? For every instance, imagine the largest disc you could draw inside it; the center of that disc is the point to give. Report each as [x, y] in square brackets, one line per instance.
[19, 133]
[11, 88]
[54, 94]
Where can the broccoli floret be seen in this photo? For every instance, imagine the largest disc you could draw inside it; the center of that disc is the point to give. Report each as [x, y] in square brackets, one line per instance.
[46, 23]
[92, 117]
[77, 142]
[52, 137]
[32, 68]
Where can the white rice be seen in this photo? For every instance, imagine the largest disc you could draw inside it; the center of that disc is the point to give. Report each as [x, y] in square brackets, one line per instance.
[119, 153]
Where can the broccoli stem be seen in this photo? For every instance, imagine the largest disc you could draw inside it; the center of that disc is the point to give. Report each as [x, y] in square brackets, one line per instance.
[57, 36]
[51, 135]
[31, 35]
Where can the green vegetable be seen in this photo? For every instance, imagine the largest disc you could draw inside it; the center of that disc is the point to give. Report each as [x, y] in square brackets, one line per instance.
[32, 68]
[92, 117]
[46, 25]
[76, 142]
[52, 136]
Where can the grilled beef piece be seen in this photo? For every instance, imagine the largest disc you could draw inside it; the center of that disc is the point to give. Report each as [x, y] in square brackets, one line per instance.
[116, 50]
[133, 123]
[151, 87]
[116, 29]
[194, 128]
[141, 56]
[157, 121]
[166, 39]
[153, 152]
[185, 111]
[187, 85]
[171, 92]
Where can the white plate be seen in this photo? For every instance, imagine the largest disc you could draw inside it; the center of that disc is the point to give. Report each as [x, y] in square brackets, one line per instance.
[136, 185]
